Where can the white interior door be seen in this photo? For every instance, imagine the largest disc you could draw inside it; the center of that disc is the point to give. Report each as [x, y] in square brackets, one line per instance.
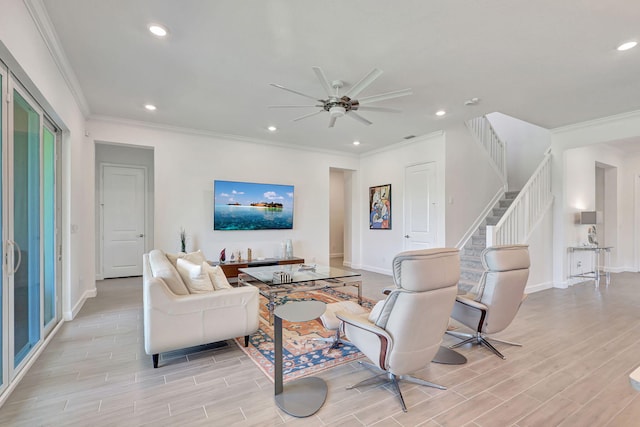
[421, 221]
[123, 216]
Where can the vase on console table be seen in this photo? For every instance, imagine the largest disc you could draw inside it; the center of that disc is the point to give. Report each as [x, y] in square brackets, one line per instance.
[288, 249]
[223, 255]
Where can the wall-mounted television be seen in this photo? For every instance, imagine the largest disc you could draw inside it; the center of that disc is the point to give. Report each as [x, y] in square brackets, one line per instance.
[252, 206]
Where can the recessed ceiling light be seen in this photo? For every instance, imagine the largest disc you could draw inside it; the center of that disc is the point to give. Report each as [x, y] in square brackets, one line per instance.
[150, 107]
[356, 142]
[272, 128]
[627, 46]
[158, 30]
[440, 113]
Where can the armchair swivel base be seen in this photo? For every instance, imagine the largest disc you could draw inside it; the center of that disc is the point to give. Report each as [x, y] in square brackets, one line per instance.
[481, 339]
[393, 379]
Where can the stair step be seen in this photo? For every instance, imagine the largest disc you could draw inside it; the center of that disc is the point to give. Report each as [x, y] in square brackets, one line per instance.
[471, 275]
[498, 212]
[511, 194]
[471, 262]
[505, 203]
[466, 285]
[473, 251]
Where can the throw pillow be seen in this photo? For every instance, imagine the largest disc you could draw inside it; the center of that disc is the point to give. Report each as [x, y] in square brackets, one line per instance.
[162, 267]
[196, 257]
[216, 274]
[173, 258]
[197, 280]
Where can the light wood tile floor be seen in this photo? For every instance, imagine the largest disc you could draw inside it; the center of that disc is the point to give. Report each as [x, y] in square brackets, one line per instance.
[580, 345]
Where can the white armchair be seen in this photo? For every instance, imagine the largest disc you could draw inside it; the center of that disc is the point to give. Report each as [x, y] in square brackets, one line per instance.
[173, 321]
[404, 332]
[494, 303]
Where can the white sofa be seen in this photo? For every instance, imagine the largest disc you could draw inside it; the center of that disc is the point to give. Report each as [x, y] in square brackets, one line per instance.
[175, 319]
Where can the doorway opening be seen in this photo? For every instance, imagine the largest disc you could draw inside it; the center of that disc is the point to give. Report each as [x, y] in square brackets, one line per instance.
[341, 207]
[124, 208]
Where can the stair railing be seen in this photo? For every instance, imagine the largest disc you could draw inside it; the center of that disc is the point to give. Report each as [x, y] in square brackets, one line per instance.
[481, 128]
[527, 209]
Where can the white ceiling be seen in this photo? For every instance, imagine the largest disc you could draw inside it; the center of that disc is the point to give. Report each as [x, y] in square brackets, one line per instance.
[549, 62]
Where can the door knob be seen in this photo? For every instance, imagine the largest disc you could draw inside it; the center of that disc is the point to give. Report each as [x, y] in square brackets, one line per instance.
[140, 235]
[406, 236]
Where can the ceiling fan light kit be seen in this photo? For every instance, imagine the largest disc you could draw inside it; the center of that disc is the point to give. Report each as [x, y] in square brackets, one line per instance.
[344, 105]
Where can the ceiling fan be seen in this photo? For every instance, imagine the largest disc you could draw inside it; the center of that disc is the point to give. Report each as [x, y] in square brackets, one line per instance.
[338, 105]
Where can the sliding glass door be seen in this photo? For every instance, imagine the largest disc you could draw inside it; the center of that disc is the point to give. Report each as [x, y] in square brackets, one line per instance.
[3, 287]
[30, 286]
[25, 242]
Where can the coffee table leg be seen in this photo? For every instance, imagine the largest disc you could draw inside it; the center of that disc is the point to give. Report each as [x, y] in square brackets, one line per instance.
[359, 285]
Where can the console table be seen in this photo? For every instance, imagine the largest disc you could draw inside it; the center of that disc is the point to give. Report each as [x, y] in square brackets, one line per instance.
[230, 268]
[596, 252]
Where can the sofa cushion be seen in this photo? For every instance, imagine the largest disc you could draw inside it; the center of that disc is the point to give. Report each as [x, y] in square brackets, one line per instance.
[161, 267]
[173, 258]
[216, 274]
[193, 275]
[196, 257]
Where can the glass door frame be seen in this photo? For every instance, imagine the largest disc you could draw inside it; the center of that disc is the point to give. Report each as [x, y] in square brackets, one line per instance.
[4, 294]
[14, 369]
[57, 304]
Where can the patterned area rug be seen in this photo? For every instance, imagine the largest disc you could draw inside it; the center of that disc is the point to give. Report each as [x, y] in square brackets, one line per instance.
[301, 355]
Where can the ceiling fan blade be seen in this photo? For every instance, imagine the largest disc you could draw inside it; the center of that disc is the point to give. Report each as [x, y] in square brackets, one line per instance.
[362, 84]
[293, 106]
[380, 109]
[307, 115]
[358, 117]
[332, 121]
[323, 81]
[383, 96]
[296, 92]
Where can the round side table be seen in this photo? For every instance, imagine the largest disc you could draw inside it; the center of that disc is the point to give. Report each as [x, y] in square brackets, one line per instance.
[305, 396]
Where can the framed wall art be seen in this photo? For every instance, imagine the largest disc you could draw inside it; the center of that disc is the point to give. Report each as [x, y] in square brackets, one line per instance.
[252, 206]
[380, 207]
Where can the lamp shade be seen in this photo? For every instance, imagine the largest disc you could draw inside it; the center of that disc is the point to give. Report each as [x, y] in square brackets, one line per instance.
[590, 217]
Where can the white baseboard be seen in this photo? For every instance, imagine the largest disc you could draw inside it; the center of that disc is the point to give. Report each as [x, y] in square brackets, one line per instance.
[538, 287]
[337, 255]
[385, 271]
[90, 293]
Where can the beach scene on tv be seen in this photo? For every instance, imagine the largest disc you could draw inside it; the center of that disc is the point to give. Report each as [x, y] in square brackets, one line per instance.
[252, 206]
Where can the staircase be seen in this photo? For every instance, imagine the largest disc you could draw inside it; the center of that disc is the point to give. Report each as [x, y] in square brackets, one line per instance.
[470, 265]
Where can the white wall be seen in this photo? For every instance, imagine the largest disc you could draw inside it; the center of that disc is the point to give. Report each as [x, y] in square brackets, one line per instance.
[526, 144]
[388, 167]
[470, 183]
[24, 51]
[186, 164]
[630, 208]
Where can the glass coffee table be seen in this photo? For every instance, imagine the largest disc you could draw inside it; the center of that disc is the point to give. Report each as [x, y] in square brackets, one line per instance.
[277, 280]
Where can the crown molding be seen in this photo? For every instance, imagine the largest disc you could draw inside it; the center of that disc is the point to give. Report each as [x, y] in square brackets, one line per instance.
[43, 23]
[213, 134]
[596, 122]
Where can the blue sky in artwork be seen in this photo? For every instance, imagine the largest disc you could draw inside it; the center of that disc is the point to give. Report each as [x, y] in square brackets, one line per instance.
[248, 192]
